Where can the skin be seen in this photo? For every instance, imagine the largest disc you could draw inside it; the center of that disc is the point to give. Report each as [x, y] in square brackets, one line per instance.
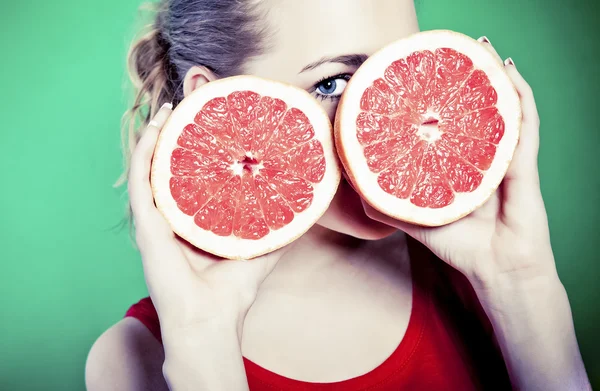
[212, 313]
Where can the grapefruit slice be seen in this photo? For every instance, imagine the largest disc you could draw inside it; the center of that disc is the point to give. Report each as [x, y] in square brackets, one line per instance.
[244, 166]
[427, 127]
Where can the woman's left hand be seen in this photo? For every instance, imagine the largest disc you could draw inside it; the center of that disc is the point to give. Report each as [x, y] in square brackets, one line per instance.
[506, 240]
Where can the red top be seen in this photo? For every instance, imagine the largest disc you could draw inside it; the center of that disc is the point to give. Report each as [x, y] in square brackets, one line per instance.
[448, 345]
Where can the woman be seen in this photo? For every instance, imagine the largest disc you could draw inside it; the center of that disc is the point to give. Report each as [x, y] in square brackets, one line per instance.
[353, 304]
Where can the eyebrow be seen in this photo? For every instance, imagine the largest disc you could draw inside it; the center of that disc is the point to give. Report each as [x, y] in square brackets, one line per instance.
[354, 60]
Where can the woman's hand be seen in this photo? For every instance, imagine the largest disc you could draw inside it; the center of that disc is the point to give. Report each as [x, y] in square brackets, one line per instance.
[506, 240]
[201, 301]
[187, 286]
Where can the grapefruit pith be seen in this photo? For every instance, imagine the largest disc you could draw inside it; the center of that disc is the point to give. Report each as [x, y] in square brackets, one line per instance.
[244, 166]
[427, 127]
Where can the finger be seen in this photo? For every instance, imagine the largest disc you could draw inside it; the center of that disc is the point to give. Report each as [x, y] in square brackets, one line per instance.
[525, 158]
[489, 210]
[257, 268]
[488, 45]
[248, 273]
[162, 257]
[198, 259]
[521, 185]
[527, 150]
[412, 230]
[260, 267]
[434, 238]
[140, 191]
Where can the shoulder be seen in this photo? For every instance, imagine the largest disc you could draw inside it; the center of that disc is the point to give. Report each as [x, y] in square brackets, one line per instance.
[125, 357]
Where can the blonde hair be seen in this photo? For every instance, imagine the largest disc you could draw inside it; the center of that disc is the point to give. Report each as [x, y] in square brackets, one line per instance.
[218, 34]
[146, 64]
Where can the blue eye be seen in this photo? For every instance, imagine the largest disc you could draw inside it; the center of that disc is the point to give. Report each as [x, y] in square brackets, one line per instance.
[332, 87]
[328, 87]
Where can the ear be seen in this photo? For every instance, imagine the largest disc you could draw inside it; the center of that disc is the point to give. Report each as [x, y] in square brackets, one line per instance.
[196, 77]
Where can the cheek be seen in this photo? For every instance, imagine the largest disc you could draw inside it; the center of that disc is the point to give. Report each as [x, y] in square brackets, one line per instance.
[329, 107]
[346, 215]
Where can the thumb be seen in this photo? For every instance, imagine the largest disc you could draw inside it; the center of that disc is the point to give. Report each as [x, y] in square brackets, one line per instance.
[446, 242]
[417, 232]
[255, 269]
[260, 267]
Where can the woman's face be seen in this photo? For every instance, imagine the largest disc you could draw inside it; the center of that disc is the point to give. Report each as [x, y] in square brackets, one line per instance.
[317, 45]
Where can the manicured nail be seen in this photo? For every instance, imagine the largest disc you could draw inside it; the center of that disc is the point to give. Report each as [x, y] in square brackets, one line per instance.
[509, 61]
[153, 123]
[168, 105]
[484, 39]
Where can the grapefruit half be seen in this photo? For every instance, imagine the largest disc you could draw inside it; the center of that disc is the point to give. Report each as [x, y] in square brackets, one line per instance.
[244, 166]
[427, 127]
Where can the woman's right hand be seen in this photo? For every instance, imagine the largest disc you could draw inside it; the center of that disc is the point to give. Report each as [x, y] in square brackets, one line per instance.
[190, 289]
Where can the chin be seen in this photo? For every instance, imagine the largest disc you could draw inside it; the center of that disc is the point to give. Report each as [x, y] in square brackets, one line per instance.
[347, 216]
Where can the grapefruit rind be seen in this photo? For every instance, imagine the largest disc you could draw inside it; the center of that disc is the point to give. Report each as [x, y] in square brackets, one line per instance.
[351, 152]
[232, 247]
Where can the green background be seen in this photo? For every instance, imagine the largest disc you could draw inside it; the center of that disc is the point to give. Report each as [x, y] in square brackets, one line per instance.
[68, 272]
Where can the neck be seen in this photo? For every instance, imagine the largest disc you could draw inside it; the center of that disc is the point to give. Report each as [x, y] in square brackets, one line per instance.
[326, 258]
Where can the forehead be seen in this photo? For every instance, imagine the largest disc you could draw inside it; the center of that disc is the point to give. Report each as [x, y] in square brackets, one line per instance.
[305, 31]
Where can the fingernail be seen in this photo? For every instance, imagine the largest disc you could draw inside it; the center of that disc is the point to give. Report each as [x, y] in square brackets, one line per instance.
[168, 105]
[509, 61]
[484, 39]
[153, 123]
